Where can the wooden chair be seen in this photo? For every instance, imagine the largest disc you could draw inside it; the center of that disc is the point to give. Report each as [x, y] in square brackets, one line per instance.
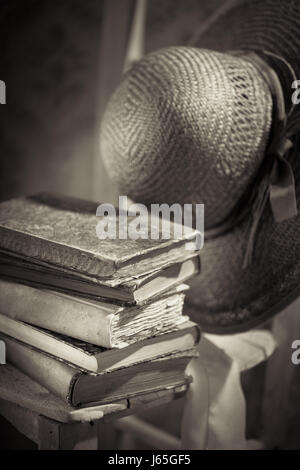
[53, 425]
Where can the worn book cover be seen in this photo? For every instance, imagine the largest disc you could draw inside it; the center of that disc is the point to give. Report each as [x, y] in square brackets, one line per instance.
[61, 231]
[79, 388]
[100, 323]
[135, 291]
[98, 359]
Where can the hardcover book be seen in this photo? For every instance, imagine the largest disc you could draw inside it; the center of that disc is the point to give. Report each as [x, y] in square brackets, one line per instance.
[79, 388]
[136, 291]
[97, 359]
[99, 323]
[61, 231]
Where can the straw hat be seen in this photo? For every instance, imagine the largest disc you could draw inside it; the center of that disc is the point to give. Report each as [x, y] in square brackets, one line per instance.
[215, 124]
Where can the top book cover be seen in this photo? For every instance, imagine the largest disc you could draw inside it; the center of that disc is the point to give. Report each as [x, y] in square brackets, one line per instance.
[61, 231]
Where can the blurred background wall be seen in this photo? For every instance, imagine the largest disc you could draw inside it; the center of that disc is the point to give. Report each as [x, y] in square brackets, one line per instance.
[53, 56]
[49, 59]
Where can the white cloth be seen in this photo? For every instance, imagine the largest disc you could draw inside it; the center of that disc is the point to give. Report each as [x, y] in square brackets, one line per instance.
[215, 409]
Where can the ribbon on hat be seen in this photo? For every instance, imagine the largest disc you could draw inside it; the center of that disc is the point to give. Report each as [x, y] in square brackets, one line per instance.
[278, 183]
[282, 185]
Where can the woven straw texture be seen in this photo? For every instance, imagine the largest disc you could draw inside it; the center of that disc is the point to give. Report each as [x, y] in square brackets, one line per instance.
[187, 105]
[191, 125]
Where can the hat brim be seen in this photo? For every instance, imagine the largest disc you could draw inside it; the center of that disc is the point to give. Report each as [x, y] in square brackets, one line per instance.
[225, 298]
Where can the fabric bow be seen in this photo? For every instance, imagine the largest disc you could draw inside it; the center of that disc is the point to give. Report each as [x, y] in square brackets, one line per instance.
[278, 186]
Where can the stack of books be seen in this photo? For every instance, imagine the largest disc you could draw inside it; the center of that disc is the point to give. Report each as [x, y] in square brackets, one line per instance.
[92, 320]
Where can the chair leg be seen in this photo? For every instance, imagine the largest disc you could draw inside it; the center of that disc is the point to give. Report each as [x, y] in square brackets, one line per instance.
[145, 432]
[108, 435]
[66, 436]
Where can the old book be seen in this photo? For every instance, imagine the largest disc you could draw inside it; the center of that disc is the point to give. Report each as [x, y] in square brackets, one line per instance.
[19, 389]
[80, 388]
[136, 291]
[61, 231]
[100, 323]
[94, 358]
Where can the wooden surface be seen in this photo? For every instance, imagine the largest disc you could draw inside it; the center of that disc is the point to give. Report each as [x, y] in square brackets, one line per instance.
[18, 388]
[76, 436]
[52, 424]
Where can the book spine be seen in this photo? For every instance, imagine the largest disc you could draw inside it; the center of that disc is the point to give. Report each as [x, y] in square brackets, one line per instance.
[55, 376]
[47, 342]
[55, 253]
[56, 312]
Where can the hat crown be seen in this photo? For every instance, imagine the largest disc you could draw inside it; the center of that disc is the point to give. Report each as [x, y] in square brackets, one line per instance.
[188, 125]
